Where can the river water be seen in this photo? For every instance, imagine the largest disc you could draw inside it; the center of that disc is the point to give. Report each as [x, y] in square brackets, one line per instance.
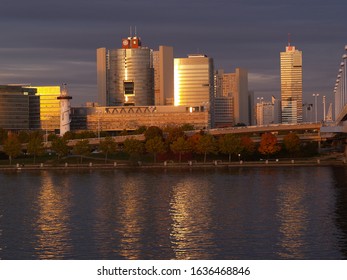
[240, 213]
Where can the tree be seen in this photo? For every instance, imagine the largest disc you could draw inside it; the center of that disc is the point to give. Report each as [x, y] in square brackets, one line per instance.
[187, 127]
[268, 144]
[206, 145]
[248, 145]
[23, 136]
[152, 132]
[291, 143]
[3, 135]
[155, 145]
[59, 145]
[133, 147]
[81, 148]
[12, 147]
[230, 144]
[180, 146]
[35, 147]
[108, 146]
[194, 140]
[173, 133]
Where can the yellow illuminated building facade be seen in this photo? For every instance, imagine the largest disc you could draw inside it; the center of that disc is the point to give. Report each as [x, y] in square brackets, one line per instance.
[49, 107]
[193, 80]
[291, 85]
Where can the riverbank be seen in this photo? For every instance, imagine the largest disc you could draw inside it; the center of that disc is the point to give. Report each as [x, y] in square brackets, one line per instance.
[170, 164]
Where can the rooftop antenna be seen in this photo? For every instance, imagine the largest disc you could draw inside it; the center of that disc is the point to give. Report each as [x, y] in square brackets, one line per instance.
[288, 39]
[135, 31]
[131, 31]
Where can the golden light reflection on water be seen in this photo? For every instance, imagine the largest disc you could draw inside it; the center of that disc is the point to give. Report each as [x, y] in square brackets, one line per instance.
[130, 219]
[293, 217]
[53, 218]
[191, 234]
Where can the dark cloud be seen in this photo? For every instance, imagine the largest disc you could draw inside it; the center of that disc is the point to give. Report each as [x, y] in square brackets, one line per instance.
[49, 42]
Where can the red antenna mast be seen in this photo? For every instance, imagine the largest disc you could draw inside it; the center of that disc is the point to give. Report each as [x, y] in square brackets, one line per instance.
[288, 39]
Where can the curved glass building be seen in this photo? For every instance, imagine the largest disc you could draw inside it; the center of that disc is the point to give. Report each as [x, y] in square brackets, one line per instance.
[126, 75]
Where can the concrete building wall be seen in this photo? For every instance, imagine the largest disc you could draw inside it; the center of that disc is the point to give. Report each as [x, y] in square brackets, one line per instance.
[119, 118]
[101, 75]
[163, 64]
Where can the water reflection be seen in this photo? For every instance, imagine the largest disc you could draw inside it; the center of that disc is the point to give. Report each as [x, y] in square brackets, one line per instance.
[265, 213]
[130, 209]
[340, 175]
[293, 218]
[52, 224]
[191, 206]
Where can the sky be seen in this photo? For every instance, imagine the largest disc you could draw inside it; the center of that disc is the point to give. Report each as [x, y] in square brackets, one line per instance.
[46, 42]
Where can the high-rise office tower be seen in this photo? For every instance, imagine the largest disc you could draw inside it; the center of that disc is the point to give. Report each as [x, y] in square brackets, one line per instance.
[194, 81]
[235, 85]
[125, 76]
[163, 76]
[291, 85]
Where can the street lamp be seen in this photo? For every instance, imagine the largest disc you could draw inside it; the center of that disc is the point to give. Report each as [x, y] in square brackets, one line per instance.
[324, 108]
[315, 95]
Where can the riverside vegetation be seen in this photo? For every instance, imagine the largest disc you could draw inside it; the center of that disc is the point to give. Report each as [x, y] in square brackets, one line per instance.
[170, 143]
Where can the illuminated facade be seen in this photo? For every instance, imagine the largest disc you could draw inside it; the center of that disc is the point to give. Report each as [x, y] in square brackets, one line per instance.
[125, 76]
[49, 106]
[194, 80]
[291, 85]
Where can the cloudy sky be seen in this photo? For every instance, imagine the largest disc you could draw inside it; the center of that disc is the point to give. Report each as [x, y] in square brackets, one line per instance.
[46, 42]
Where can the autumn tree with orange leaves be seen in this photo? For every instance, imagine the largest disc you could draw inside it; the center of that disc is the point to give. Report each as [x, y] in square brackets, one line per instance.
[268, 144]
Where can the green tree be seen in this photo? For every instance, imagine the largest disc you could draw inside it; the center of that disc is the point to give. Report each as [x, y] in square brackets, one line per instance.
[187, 127]
[140, 130]
[35, 147]
[291, 143]
[173, 133]
[180, 146]
[230, 144]
[133, 147]
[12, 147]
[81, 148]
[206, 145]
[70, 135]
[152, 132]
[108, 146]
[155, 145]
[59, 145]
[268, 144]
[23, 136]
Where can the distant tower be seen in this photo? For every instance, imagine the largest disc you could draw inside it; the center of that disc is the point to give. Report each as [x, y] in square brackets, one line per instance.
[65, 119]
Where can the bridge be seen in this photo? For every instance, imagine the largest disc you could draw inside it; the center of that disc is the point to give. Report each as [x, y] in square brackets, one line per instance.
[339, 126]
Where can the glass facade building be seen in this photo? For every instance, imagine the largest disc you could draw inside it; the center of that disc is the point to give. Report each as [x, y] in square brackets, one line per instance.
[49, 106]
[19, 108]
[291, 85]
[194, 80]
[125, 76]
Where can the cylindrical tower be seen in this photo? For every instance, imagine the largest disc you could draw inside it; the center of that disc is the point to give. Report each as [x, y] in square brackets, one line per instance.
[65, 118]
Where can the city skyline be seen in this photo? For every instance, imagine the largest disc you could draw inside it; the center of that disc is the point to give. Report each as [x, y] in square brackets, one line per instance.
[44, 42]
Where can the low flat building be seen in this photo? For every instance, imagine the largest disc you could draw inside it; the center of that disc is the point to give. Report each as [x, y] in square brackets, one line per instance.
[119, 118]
